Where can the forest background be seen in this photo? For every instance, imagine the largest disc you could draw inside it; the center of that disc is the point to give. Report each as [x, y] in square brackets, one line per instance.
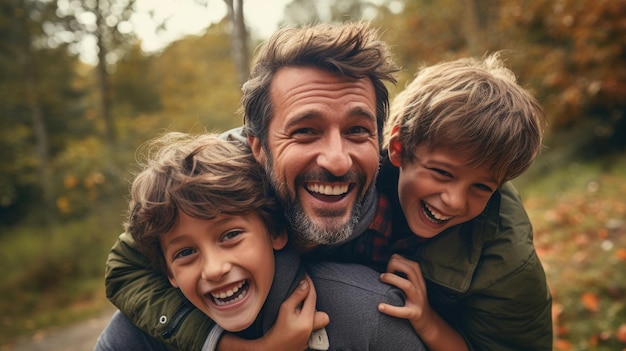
[69, 131]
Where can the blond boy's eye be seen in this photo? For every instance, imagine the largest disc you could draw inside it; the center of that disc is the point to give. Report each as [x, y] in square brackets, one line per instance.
[484, 187]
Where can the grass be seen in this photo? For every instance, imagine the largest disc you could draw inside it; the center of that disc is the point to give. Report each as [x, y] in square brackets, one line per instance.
[54, 277]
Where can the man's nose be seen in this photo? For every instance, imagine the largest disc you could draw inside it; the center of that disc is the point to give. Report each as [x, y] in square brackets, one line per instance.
[334, 156]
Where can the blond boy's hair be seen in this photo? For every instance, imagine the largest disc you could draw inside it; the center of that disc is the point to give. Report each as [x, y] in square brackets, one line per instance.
[203, 176]
[474, 108]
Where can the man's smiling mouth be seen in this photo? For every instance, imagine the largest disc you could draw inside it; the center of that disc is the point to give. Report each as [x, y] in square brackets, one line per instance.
[322, 189]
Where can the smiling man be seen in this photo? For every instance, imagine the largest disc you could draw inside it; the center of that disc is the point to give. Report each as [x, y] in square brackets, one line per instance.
[314, 108]
[321, 151]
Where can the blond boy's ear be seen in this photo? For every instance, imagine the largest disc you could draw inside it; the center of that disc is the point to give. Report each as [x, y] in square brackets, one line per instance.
[279, 240]
[257, 149]
[395, 148]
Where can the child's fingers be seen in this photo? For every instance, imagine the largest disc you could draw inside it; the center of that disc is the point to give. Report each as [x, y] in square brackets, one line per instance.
[399, 282]
[308, 304]
[320, 320]
[394, 311]
[410, 269]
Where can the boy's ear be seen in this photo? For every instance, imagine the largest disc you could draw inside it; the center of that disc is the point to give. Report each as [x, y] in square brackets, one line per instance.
[279, 240]
[172, 280]
[257, 149]
[395, 148]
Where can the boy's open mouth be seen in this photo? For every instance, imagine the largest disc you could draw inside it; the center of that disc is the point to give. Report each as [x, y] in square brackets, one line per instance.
[435, 217]
[232, 295]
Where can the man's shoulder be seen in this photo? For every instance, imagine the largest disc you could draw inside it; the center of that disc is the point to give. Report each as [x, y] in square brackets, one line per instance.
[354, 278]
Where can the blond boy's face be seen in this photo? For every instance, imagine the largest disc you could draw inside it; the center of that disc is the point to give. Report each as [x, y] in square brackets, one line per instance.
[224, 266]
[437, 190]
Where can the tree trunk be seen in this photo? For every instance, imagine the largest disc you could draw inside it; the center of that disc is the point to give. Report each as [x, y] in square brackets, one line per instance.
[40, 132]
[103, 78]
[239, 39]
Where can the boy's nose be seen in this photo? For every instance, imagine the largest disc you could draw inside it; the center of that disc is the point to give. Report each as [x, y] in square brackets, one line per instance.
[215, 268]
[455, 199]
[333, 156]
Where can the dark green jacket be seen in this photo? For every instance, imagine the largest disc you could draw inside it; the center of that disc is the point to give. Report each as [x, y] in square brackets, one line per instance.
[484, 276]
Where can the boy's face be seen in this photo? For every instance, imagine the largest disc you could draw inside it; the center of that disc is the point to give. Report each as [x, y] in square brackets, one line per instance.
[323, 150]
[224, 266]
[437, 190]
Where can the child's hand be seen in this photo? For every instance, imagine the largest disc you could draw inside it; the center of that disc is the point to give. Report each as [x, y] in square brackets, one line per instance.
[406, 275]
[296, 320]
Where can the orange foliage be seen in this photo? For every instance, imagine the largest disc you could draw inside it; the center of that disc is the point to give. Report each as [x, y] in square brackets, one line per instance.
[590, 301]
[621, 333]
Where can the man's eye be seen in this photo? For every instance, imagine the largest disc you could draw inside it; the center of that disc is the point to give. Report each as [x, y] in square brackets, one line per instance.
[303, 131]
[358, 130]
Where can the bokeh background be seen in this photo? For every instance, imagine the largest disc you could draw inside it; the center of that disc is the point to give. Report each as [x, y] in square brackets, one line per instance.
[83, 83]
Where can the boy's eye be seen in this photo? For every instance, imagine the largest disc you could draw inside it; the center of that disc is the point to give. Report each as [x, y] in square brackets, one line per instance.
[184, 253]
[484, 188]
[232, 234]
[441, 172]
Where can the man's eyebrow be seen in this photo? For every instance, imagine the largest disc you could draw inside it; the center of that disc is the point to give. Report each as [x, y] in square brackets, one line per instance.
[355, 112]
[360, 111]
[302, 117]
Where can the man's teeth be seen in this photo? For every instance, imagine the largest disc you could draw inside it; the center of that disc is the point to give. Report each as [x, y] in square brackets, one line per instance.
[228, 293]
[328, 189]
[435, 215]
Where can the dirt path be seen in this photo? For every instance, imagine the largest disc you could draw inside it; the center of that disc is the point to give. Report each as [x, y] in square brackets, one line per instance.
[78, 337]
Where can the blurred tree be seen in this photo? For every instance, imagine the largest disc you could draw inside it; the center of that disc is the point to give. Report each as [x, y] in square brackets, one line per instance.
[576, 52]
[239, 39]
[38, 105]
[107, 23]
[570, 52]
[196, 84]
[135, 87]
[300, 12]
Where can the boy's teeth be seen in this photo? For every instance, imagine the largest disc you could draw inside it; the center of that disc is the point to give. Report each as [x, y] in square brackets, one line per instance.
[227, 293]
[435, 214]
[328, 189]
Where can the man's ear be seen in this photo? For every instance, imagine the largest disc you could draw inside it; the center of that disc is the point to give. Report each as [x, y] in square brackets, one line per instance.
[279, 240]
[395, 148]
[257, 149]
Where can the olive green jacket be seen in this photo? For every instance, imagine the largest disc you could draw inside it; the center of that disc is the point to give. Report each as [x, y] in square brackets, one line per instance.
[485, 279]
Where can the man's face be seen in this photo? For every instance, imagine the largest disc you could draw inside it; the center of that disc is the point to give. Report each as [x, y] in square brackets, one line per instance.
[322, 150]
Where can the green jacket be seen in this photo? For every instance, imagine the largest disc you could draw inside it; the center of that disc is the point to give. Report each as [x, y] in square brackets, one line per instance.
[148, 299]
[485, 279]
